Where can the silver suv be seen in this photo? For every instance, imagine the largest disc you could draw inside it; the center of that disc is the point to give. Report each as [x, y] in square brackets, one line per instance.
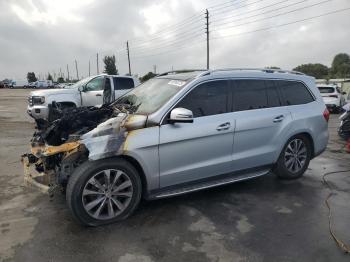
[182, 132]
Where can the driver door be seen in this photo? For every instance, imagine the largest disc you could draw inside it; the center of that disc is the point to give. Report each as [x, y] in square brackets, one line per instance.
[92, 95]
[202, 149]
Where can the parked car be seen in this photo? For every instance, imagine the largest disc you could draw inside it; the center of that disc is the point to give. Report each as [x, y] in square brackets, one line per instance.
[87, 92]
[344, 127]
[7, 83]
[179, 133]
[43, 84]
[19, 83]
[30, 85]
[332, 97]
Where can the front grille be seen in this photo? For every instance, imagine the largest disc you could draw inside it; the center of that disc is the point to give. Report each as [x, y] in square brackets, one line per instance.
[30, 100]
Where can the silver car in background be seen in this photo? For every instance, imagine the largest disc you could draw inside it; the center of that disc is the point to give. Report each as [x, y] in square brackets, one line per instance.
[195, 130]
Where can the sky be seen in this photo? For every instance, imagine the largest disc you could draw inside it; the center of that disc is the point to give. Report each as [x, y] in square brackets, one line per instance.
[47, 35]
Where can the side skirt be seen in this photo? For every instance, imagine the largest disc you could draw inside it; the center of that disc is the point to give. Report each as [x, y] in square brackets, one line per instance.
[207, 183]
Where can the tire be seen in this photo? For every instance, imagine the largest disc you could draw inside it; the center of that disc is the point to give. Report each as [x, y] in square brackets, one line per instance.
[285, 163]
[83, 180]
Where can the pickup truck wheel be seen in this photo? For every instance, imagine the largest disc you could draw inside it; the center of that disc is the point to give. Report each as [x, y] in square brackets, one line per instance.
[103, 191]
[294, 158]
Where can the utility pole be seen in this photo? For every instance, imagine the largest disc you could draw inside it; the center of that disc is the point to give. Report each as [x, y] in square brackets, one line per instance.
[76, 69]
[98, 71]
[127, 49]
[60, 72]
[207, 33]
[155, 69]
[67, 72]
[89, 67]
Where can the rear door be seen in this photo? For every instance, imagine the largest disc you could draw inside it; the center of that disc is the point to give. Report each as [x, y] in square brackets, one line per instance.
[122, 85]
[261, 123]
[193, 151]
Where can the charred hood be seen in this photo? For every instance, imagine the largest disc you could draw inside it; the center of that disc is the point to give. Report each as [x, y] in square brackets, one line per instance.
[71, 124]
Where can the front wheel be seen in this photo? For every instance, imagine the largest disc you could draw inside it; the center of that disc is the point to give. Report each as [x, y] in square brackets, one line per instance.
[104, 191]
[294, 158]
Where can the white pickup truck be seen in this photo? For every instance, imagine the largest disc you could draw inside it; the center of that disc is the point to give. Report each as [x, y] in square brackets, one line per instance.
[91, 91]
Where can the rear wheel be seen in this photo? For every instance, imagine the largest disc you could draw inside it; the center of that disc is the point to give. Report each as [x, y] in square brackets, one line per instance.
[104, 191]
[294, 158]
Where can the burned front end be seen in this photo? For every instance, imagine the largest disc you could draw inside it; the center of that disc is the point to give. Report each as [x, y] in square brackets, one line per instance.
[76, 136]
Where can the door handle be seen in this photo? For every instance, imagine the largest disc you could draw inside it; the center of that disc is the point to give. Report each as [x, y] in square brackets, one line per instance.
[224, 126]
[98, 95]
[278, 119]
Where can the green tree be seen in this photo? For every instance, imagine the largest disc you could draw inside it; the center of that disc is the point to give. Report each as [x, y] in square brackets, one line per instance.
[60, 79]
[31, 77]
[318, 71]
[110, 67]
[147, 76]
[341, 66]
[49, 77]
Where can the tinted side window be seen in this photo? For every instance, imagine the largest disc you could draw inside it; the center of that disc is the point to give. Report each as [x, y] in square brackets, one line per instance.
[121, 83]
[273, 99]
[294, 93]
[207, 99]
[249, 94]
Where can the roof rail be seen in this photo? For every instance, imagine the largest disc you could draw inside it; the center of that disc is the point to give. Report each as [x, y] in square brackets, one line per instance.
[180, 71]
[266, 70]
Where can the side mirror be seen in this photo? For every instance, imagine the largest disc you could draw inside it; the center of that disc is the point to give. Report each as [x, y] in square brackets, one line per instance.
[81, 88]
[181, 115]
[344, 93]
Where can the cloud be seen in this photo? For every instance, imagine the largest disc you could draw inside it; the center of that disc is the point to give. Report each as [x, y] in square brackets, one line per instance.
[46, 35]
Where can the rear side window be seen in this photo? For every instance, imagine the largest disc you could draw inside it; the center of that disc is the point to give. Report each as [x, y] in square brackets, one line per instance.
[249, 94]
[207, 99]
[273, 98]
[325, 89]
[294, 93]
[121, 83]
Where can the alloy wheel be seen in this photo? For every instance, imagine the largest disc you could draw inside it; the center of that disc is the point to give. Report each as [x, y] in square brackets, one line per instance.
[295, 155]
[107, 194]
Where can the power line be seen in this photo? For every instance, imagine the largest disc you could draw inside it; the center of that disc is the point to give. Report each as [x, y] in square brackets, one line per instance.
[251, 11]
[175, 42]
[217, 6]
[167, 40]
[160, 34]
[213, 6]
[167, 29]
[178, 48]
[281, 25]
[269, 17]
[236, 8]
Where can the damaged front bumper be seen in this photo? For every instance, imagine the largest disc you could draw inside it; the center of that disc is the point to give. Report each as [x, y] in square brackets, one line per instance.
[45, 180]
[32, 178]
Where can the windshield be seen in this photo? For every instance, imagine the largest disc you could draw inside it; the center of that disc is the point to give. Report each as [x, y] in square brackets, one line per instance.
[79, 83]
[151, 95]
[326, 89]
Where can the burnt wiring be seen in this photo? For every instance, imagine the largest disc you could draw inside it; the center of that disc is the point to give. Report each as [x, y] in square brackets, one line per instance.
[343, 246]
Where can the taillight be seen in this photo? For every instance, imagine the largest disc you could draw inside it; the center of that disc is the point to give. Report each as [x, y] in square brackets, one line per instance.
[335, 96]
[326, 114]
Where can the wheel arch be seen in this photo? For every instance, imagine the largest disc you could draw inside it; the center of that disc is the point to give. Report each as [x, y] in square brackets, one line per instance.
[139, 169]
[308, 136]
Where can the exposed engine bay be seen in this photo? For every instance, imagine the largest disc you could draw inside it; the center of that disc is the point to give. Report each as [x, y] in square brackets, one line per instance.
[75, 136]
